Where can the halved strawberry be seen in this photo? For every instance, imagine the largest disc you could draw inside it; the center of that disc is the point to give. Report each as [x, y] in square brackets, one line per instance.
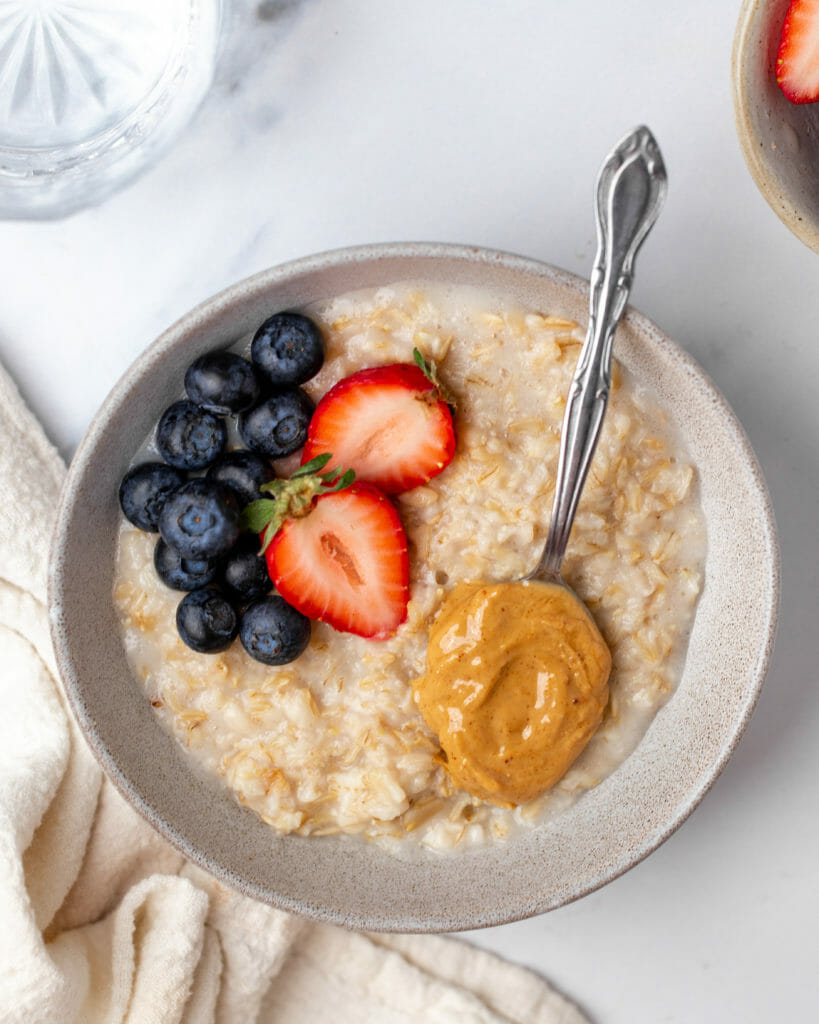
[336, 551]
[345, 563]
[388, 423]
[797, 61]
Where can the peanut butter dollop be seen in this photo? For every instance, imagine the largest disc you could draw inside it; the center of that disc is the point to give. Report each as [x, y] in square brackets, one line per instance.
[516, 684]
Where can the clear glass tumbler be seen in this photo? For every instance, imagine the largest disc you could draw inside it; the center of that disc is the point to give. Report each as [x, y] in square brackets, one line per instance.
[92, 92]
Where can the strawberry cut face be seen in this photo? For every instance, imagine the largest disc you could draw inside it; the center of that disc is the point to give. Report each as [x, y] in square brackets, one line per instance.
[388, 424]
[797, 60]
[345, 562]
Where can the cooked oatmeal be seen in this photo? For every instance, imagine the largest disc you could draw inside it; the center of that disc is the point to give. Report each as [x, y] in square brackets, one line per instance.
[333, 743]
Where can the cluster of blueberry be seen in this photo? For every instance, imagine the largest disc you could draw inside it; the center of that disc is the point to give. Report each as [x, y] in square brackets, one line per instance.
[201, 548]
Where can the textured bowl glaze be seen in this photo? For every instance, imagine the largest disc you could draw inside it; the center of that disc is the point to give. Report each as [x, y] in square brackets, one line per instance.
[780, 139]
[359, 885]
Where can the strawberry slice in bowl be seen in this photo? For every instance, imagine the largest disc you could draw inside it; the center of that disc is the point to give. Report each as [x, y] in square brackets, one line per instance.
[336, 549]
[390, 424]
[797, 60]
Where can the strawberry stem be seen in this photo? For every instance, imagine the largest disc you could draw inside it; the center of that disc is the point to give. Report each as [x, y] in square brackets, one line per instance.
[426, 367]
[293, 498]
[430, 371]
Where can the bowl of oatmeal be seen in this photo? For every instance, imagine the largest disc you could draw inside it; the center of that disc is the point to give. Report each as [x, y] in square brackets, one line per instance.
[317, 785]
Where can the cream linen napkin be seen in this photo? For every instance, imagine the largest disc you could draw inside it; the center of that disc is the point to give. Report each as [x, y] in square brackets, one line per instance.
[101, 922]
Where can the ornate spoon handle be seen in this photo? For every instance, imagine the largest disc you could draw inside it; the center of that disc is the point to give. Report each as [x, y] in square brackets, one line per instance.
[630, 190]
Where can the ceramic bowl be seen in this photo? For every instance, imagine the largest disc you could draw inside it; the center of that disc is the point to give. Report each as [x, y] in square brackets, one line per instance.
[360, 885]
[780, 139]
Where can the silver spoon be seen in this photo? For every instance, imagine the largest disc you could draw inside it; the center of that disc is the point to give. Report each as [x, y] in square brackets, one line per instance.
[630, 190]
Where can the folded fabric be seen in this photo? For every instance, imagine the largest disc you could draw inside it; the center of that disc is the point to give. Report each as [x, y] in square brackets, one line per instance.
[102, 922]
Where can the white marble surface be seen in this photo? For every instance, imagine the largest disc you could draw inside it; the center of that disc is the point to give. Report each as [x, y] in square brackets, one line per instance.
[335, 122]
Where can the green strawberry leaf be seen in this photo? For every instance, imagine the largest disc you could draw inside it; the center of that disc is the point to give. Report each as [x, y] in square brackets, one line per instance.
[342, 481]
[257, 515]
[313, 466]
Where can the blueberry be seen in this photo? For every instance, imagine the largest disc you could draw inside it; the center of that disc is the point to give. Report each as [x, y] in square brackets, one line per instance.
[206, 621]
[244, 575]
[189, 437]
[222, 382]
[273, 631]
[200, 520]
[243, 472]
[288, 348]
[180, 573]
[144, 490]
[278, 426]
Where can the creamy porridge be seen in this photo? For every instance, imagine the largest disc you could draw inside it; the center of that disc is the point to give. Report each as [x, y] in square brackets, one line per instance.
[333, 743]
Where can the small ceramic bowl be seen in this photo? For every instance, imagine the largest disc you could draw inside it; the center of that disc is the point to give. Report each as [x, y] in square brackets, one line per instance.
[361, 885]
[780, 139]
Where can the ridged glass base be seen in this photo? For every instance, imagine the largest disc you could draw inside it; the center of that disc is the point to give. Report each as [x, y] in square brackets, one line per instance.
[91, 91]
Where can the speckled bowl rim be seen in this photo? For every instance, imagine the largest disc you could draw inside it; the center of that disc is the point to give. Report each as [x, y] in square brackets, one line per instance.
[622, 821]
[782, 198]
